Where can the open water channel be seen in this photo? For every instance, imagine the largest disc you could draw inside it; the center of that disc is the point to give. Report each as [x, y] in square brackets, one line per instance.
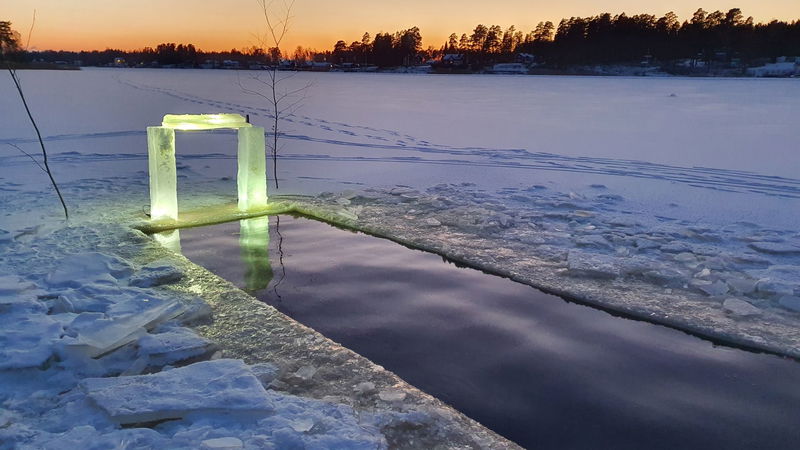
[541, 371]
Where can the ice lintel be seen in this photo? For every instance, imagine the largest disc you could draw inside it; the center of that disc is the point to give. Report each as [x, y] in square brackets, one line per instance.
[192, 122]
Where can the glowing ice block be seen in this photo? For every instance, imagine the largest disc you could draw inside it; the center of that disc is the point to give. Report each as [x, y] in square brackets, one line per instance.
[163, 176]
[189, 122]
[252, 174]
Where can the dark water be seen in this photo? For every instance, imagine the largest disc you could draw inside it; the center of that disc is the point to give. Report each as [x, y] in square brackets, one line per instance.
[541, 371]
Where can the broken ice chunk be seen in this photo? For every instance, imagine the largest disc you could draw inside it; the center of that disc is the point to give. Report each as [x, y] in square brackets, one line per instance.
[26, 340]
[710, 288]
[226, 443]
[740, 307]
[790, 302]
[223, 385]
[156, 274]
[592, 266]
[173, 345]
[85, 268]
[19, 295]
[392, 395]
[776, 248]
[124, 322]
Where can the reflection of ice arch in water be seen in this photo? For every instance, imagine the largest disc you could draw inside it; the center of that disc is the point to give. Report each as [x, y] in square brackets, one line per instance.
[253, 247]
[254, 251]
[251, 176]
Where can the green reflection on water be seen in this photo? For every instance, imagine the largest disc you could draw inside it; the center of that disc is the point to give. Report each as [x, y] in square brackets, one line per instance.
[254, 251]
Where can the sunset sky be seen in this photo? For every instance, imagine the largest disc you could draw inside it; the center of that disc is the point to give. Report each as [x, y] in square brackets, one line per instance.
[226, 24]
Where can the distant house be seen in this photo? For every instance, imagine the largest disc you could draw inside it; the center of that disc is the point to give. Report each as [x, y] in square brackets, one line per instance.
[509, 69]
[452, 63]
[453, 60]
[319, 66]
[120, 62]
[230, 64]
[785, 67]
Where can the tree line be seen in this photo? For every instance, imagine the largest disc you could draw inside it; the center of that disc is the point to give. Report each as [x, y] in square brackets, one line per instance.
[592, 40]
[599, 39]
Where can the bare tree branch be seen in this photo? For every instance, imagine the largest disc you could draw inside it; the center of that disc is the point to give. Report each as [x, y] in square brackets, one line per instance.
[28, 155]
[46, 167]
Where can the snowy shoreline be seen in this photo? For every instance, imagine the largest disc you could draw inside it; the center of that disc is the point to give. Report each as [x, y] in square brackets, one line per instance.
[110, 338]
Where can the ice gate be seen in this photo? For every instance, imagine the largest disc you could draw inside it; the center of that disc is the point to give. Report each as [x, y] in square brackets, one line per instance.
[251, 178]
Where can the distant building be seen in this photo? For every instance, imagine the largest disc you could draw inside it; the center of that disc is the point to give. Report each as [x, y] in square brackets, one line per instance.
[120, 62]
[509, 69]
[785, 67]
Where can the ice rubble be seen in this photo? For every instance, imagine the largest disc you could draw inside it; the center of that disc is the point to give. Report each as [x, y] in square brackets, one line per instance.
[699, 277]
[96, 352]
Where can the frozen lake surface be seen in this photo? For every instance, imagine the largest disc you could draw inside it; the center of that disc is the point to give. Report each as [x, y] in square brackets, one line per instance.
[713, 149]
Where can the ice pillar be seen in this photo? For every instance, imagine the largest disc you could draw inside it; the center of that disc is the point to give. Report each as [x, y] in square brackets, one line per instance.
[252, 175]
[163, 176]
[254, 248]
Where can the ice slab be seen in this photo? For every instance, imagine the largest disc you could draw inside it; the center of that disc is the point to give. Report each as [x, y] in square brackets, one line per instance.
[91, 267]
[96, 333]
[156, 273]
[740, 308]
[223, 385]
[26, 340]
[87, 437]
[226, 443]
[173, 345]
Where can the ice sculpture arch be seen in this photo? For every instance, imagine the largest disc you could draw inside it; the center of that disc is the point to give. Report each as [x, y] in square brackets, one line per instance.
[251, 176]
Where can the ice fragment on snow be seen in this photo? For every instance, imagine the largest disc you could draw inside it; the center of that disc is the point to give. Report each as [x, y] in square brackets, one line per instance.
[593, 240]
[26, 340]
[392, 395]
[364, 388]
[265, 372]
[302, 425]
[776, 248]
[771, 287]
[156, 274]
[432, 222]
[790, 302]
[12, 285]
[742, 285]
[124, 322]
[592, 266]
[305, 373]
[84, 268]
[223, 385]
[710, 288]
[173, 345]
[226, 443]
[740, 307]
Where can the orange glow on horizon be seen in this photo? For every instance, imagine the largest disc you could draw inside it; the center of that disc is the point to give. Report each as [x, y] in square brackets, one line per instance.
[213, 25]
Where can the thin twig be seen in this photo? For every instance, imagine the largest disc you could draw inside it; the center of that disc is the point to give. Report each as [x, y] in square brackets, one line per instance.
[28, 155]
[39, 136]
[30, 31]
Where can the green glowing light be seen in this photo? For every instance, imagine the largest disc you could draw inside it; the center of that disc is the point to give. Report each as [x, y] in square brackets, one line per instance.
[252, 172]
